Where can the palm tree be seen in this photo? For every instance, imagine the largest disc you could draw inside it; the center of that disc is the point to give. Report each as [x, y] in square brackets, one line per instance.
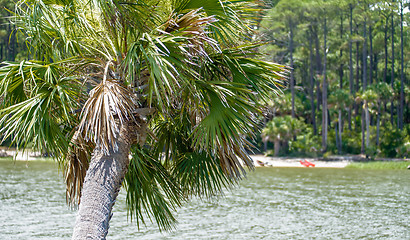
[281, 129]
[172, 84]
[340, 100]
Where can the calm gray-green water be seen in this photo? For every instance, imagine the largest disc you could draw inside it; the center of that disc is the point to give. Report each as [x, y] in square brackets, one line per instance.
[272, 203]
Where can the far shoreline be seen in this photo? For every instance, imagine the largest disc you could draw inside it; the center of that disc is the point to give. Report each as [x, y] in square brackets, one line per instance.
[259, 160]
[267, 161]
[338, 161]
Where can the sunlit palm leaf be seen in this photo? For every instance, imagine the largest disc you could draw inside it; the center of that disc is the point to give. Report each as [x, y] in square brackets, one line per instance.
[231, 105]
[198, 173]
[45, 117]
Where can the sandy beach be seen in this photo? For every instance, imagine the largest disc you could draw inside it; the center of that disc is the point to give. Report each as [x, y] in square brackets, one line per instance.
[264, 161]
[259, 160]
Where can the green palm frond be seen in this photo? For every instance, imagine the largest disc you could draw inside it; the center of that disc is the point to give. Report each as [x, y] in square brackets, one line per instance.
[230, 103]
[200, 174]
[221, 133]
[42, 22]
[12, 84]
[259, 76]
[152, 188]
[45, 117]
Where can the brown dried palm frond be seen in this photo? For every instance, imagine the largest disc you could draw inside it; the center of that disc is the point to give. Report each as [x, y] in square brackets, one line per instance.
[109, 106]
[76, 167]
[234, 157]
[80, 153]
[192, 25]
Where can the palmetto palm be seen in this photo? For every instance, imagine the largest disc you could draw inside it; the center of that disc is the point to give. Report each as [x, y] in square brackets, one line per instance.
[174, 83]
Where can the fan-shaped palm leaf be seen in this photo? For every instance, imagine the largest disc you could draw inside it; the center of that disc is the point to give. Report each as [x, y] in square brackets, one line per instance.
[45, 117]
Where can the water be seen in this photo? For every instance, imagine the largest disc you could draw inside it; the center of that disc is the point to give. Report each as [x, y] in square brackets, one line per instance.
[272, 203]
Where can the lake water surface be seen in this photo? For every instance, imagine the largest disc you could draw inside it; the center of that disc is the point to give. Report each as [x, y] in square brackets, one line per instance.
[272, 203]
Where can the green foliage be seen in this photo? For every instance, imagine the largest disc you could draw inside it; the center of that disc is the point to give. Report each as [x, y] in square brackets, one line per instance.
[283, 128]
[350, 96]
[394, 142]
[38, 105]
[151, 190]
[307, 144]
[351, 142]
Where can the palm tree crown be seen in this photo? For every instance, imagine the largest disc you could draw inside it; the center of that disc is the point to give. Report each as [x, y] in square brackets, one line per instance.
[181, 74]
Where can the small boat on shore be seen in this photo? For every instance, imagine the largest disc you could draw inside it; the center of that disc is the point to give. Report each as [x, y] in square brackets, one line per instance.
[306, 163]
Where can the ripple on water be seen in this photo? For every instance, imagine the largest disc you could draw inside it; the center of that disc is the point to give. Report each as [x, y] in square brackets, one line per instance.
[272, 203]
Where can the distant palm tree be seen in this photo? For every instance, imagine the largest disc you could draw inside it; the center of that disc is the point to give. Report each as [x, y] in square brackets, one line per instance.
[174, 83]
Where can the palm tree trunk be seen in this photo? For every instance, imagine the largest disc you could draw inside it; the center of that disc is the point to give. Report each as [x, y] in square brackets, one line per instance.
[385, 53]
[101, 186]
[292, 79]
[371, 69]
[324, 94]
[378, 122]
[265, 141]
[341, 87]
[392, 70]
[276, 144]
[362, 149]
[341, 53]
[337, 139]
[312, 100]
[401, 105]
[340, 131]
[367, 116]
[350, 65]
[366, 109]
[357, 87]
[318, 64]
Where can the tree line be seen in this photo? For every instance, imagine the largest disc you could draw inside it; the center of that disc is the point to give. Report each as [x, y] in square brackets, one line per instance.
[9, 46]
[349, 77]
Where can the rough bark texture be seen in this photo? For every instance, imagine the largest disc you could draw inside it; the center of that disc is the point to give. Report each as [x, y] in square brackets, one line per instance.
[101, 186]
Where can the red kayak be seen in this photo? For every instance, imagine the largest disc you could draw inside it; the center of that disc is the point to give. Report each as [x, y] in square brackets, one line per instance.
[306, 163]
